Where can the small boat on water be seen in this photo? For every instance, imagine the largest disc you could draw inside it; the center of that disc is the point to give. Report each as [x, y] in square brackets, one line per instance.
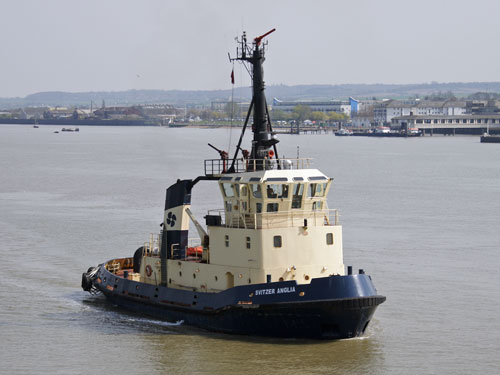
[269, 263]
[343, 132]
[382, 130]
[70, 129]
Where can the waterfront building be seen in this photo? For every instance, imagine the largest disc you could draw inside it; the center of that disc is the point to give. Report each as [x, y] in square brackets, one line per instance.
[478, 107]
[464, 123]
[362, 119]
[119, 112]
[326, 106]
[454, 107]
[387, 110]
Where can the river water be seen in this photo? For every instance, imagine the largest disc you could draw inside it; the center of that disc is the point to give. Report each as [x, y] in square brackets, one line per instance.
[421, 216]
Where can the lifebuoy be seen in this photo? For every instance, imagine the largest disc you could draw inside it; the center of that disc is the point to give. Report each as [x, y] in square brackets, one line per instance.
[271, 153]
[149, 270]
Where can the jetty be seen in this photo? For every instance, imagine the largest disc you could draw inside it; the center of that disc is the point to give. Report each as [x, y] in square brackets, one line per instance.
[490, 138]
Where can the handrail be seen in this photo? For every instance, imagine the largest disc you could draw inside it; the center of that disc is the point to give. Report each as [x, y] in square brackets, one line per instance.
[221, 166]
[280, 219]
[152, 247]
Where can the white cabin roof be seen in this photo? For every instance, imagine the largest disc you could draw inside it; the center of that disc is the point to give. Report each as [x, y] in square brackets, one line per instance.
[283, 175]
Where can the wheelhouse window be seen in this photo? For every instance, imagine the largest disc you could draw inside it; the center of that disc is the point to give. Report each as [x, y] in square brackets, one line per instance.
[298, 192]
[277, 191]
[228, 190]
[256, 191]
[277, 241]
[272, 207]
[244, 191]
[316, 190]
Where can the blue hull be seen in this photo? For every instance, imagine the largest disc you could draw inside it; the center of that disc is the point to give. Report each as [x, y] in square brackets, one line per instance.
[333, 307]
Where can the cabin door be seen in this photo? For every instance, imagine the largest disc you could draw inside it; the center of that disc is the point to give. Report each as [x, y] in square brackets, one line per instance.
[229, 280]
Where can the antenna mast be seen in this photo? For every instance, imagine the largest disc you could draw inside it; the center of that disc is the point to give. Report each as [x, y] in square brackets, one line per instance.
[263, 138]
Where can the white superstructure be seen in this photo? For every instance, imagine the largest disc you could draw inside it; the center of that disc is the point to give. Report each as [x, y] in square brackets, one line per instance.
[275, 226]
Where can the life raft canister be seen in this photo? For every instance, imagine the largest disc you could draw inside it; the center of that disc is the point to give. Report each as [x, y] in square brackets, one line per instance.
[194, 251]
[149, 270]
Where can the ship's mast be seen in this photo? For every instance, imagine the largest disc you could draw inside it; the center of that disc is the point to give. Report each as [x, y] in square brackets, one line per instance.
[263, 138]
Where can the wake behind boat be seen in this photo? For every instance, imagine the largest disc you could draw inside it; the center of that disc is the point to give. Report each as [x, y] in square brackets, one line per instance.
[269, 263]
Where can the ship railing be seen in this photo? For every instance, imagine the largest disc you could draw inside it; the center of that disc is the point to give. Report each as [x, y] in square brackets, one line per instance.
[119, 264]
[221, 166]
[152, 247]
[280, 219]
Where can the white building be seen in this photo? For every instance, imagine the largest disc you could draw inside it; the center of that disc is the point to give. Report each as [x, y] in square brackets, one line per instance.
[387, 110]
[316, 106]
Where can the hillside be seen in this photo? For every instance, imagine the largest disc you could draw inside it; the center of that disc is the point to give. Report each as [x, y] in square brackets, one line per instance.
[283, 92]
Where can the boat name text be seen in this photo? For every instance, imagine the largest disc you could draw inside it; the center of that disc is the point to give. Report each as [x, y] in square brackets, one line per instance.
[261, 292]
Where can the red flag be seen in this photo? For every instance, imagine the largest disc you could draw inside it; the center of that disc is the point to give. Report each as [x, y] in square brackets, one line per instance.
[232, 76]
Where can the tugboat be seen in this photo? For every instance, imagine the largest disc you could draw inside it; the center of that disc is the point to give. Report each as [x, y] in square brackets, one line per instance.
[270, 263]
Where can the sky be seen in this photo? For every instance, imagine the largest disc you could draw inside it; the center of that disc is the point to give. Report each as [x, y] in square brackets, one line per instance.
[115, 45]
